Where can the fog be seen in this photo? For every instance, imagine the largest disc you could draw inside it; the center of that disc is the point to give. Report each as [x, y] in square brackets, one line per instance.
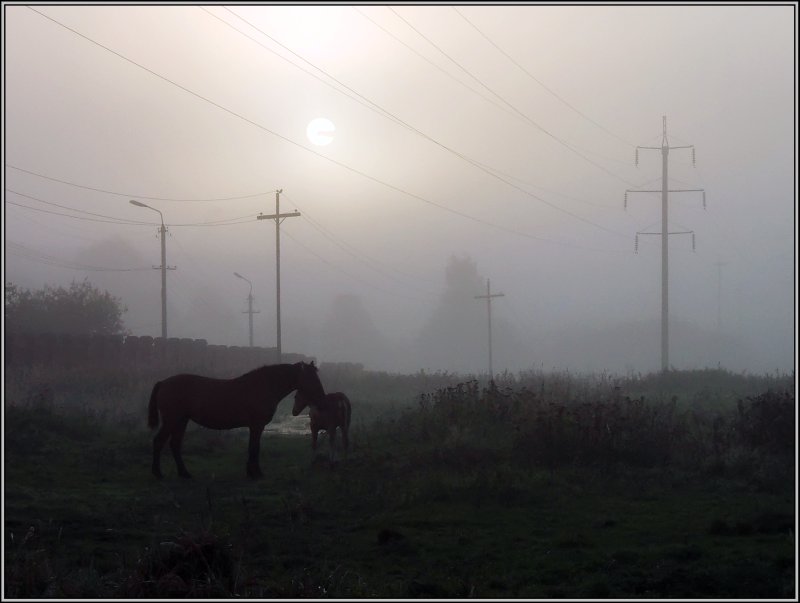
[470, 143]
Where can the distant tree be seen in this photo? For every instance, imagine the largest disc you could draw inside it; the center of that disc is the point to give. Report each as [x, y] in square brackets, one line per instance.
[79, 310]
[350, 335]
[453, 337]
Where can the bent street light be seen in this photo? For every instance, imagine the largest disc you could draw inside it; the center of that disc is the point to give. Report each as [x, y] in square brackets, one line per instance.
[163, 267]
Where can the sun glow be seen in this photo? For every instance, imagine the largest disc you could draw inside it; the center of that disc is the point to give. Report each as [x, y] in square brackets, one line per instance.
[320, 131]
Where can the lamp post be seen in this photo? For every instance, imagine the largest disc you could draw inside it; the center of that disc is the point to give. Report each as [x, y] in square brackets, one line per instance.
[249, 305]
[163, 231]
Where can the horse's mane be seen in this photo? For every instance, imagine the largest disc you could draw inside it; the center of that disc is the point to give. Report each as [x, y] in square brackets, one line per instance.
[279, 369]
[256, 371]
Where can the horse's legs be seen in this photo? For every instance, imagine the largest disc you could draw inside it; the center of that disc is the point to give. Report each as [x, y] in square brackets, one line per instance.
[178, 430]
[158, 444]
[314, 433]
[332, 437]
[253, 466]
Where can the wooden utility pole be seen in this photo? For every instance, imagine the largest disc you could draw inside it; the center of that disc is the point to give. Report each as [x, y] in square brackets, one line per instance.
[278, 217]
[488, 297]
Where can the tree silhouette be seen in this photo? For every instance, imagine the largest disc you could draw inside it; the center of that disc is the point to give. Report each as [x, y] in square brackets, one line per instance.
[350, 335]
[453, 337]
[79, 310]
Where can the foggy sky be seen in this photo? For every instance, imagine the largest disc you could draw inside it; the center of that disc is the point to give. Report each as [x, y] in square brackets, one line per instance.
[199, 110]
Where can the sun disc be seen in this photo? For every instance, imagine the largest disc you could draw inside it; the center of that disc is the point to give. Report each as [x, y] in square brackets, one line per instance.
[320, 131]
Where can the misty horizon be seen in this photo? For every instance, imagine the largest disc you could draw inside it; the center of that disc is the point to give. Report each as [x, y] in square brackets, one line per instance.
[502, 135]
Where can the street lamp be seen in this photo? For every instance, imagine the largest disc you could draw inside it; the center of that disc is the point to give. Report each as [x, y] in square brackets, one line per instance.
[163, 231]
[249, 305]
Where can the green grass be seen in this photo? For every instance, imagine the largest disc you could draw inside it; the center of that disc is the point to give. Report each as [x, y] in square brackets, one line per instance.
[422, 508]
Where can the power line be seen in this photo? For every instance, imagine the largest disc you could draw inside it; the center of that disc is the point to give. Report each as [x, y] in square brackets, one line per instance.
[100, 190]
[354, 252]
[364, 100]
[492, 101]
[37, 256]
[542, 84]
[447, 73]
[374, 106]
[352, 276]
[334, 161]
[351, 252]
[47, 211]
[221, 222]
[121, 220]
[71, 233]
[520, 113]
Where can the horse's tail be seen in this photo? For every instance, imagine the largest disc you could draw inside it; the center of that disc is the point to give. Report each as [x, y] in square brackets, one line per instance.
[152, 409]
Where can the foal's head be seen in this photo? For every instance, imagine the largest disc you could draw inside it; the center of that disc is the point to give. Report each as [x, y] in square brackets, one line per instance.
[300, 403]
[309, 387]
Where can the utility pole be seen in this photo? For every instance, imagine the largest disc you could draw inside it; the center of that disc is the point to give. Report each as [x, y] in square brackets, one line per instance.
[488, 297]
[250, 310]
[278, 217]
[719, 295]
[665, 148]
[163, 268]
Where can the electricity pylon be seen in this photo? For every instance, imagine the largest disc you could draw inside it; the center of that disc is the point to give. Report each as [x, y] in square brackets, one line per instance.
[665, 190]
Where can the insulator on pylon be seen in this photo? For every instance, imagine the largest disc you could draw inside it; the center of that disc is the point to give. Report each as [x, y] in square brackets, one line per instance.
[704, 199]
[637, 157]
[693, 163]
[636, 244]
[693, 248]
[626, 200]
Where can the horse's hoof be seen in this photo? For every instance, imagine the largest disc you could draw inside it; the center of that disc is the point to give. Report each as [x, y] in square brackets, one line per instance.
[185, 475]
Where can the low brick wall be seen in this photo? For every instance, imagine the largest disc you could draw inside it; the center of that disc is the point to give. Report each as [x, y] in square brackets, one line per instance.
[115, 352]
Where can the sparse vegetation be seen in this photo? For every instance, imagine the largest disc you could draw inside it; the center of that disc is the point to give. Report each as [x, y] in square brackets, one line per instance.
[542, 486]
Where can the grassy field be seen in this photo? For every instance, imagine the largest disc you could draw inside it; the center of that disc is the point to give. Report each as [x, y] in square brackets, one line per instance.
[548, 486]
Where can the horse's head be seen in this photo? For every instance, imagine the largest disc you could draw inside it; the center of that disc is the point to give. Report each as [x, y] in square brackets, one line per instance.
[309, 387]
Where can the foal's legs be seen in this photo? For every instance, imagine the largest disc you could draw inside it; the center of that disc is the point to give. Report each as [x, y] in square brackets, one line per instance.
[253, 467]
[175, 441]
[344, 439]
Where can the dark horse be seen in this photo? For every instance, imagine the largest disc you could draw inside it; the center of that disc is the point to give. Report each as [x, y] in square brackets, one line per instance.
[246, 401]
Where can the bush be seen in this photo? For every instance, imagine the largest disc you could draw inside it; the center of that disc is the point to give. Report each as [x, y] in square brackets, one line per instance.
[464, 425]
[767, 422]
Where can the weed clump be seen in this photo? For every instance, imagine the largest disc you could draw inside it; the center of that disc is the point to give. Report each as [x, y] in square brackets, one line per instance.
[190, 565]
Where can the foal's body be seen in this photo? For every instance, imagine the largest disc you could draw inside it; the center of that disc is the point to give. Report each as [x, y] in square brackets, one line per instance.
[330, 413]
